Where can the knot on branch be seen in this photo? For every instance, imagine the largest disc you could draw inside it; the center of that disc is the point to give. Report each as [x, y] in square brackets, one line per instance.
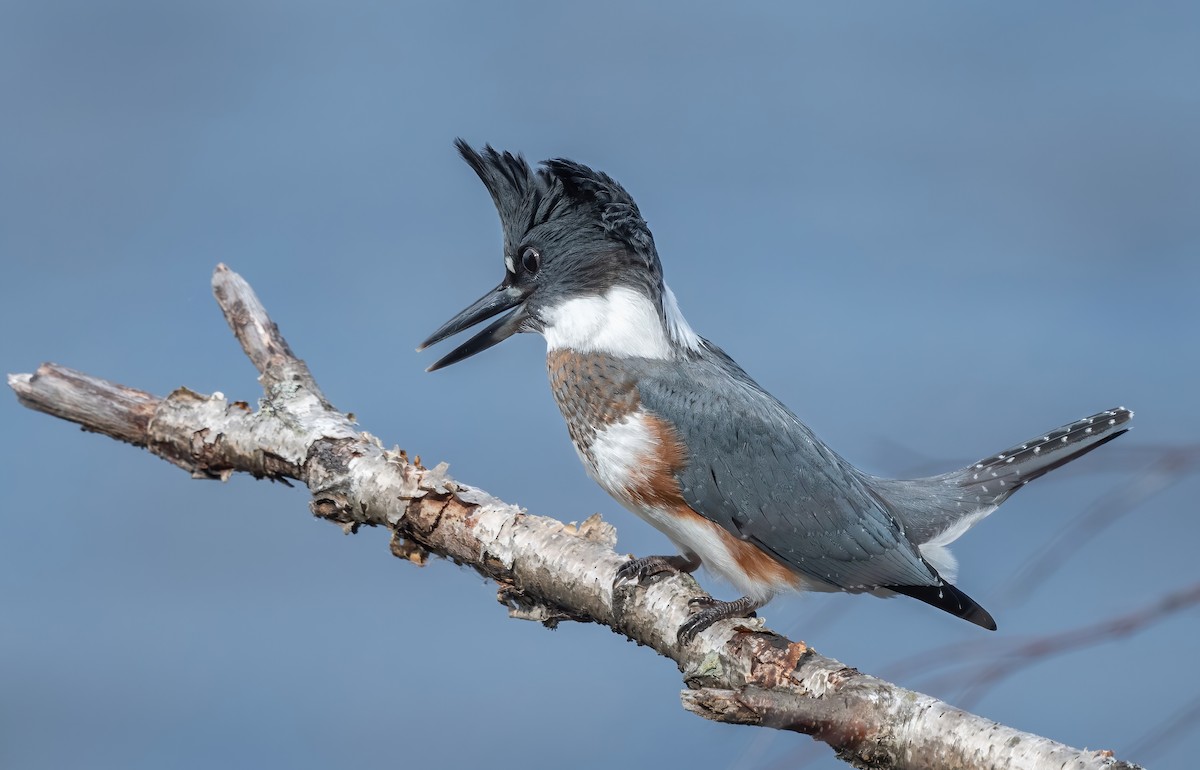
[522, 606]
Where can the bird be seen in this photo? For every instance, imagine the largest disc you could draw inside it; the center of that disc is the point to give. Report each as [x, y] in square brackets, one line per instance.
[673, 429]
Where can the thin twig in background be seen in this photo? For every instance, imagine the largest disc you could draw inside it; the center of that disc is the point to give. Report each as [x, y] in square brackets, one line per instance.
[1155, 741]
[1009, 657]
[1169, 468]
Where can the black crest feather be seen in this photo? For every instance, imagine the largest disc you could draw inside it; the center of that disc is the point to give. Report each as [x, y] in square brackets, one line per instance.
[564, 192]
[614, 207]
[517, 190]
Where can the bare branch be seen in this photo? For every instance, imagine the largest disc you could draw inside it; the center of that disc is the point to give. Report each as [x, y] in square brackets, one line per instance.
[255, 331]
[870, 727]
[737, 671]
[98, 405]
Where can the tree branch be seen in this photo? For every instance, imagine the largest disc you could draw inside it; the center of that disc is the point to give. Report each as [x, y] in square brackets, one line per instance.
[736, 671]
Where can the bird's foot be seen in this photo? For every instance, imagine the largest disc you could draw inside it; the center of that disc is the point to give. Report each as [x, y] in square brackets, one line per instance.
[649, 566]
[713, 611]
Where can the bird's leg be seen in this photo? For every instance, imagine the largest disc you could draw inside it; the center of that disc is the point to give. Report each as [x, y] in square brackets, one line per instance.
[648, 566]
[713, 611]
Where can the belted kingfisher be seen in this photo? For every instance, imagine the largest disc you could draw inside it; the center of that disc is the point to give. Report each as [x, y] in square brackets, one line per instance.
[679, 434]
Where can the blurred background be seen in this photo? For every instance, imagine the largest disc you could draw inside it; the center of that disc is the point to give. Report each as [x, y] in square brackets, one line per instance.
[934, 230]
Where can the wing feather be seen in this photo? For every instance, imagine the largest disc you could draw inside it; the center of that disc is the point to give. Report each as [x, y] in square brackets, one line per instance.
[760, 473]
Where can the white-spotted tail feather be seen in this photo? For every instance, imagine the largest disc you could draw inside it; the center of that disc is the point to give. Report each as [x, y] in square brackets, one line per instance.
[1001, 474]
[936, 511]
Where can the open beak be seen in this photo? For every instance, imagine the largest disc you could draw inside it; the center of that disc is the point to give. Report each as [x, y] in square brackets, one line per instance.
[494, 302]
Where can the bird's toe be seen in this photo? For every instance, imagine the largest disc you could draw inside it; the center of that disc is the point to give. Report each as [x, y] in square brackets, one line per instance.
[649, 566]
[712, 612]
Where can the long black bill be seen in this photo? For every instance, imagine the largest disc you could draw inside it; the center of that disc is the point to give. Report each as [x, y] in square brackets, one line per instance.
[496, 301]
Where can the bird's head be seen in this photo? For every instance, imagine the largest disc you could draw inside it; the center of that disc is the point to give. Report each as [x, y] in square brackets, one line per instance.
[580, 265]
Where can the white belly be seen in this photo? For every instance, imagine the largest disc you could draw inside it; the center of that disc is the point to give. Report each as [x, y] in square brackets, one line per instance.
[619, 460]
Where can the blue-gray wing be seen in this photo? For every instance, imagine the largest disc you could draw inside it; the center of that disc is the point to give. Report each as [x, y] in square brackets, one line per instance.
[760, 473]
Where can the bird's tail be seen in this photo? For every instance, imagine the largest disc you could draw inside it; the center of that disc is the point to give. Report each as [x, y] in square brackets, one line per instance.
[949, 599]
[1000, 475]
[935, 511]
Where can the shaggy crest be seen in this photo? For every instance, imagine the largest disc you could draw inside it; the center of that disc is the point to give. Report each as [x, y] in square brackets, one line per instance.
[568, 194]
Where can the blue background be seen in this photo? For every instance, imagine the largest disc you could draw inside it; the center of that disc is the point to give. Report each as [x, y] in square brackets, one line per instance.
[934, 230]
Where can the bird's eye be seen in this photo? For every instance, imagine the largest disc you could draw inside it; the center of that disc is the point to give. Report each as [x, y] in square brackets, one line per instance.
[531, 260]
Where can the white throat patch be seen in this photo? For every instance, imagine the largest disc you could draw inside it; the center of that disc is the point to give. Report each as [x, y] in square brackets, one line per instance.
[621, 322]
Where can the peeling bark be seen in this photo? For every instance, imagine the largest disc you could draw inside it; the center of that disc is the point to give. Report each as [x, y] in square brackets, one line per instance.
[736, 671]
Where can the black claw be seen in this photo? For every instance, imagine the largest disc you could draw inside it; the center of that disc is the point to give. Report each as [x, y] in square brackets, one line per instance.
[692, 626]
[641, 569]
[649, 566]
[713, 611]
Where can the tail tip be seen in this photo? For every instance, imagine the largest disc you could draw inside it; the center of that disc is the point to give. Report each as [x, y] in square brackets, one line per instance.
[949, 599]
[981, 617]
